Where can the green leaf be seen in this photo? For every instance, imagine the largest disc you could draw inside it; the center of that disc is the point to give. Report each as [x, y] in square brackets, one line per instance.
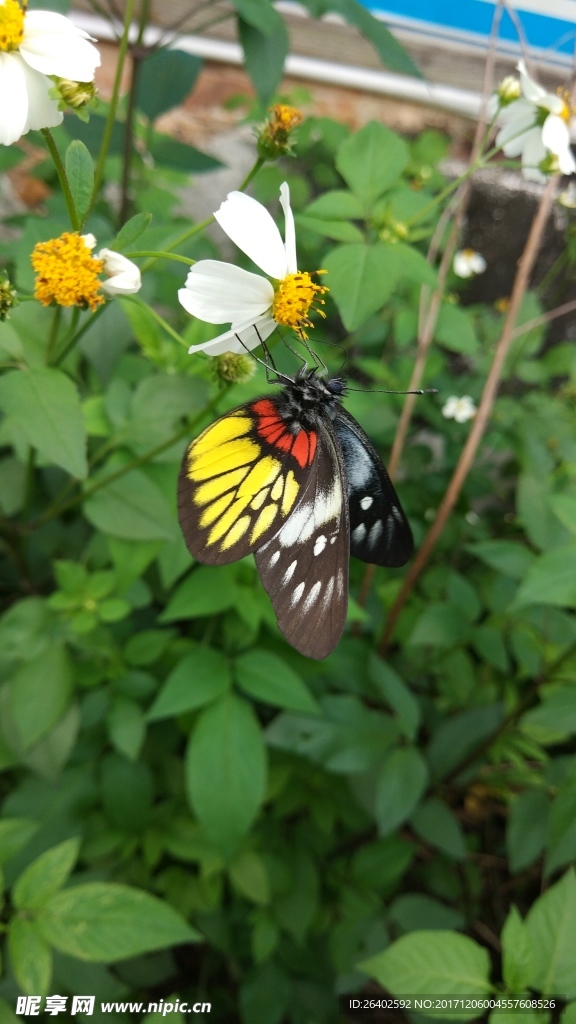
[249, 876]
[414, 911]
[198, 679]
[535, 514]
[45, 405]
[226, 770]
[397, 695]
[432, 963]
[455, 330]
[126, 793]
[133, 508]
[258, 13]
[15, 834]
[390, 51]
[456, 739]
[564, 508]
[526, 829]
[31, 957]
[171, 153]
[362, 278]
[166, 77]
[207, 591]
[550, 924]
[104, 922]
[518, 959]
[126, 727]
[370, 161]
[267, 678]
[440, 625]
[339, 230]
[39, 694]
[7, 1015]
[551, 579]
[335, 205]
[559, 841]
[80, 174]
[264, 54]
[554, 718]
[131, 230]
[401, 783]
[45, 875]
[437, 825]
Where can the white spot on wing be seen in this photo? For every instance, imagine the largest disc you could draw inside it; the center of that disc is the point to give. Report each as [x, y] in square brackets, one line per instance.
[312, 596]
[375, 532]
[328, 594]
[396, 513]
[297, 593]
[289, 572]
[320, 544]
[340, 583]
[274, 559]
[359, 533]
[366, 502]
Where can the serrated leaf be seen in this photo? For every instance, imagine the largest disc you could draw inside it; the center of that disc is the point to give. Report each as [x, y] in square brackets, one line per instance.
[370, 161]
[103, 922]
[430, 963]
[339, 230]
[335, 205]
[226, 770]
[266, 677]
[45, 875]
[46, 406]
[550, 924]
[264, 54]
[551, 579]
[80, 174]
[198, 679]
[518, 960]
[130, 231]
[30, 956]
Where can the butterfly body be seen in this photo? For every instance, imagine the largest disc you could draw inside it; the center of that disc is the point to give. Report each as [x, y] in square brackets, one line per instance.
[292, 478]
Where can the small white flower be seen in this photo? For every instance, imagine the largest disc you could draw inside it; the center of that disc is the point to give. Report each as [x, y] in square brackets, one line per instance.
[459, 409]
[123, 275]
[89, 240]
[468, 263]
[33, 46]
[222, 293]
[536, 127]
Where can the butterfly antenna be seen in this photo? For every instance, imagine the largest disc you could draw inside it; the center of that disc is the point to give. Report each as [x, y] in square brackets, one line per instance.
[380, 391]
[267, 363]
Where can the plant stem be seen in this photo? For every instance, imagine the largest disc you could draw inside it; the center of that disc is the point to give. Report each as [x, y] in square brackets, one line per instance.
[54, 331]
[122, 51]
[63, 177]
[161, 255]
[484, 410]
[75, 337]
[128, 147]
[159, 320]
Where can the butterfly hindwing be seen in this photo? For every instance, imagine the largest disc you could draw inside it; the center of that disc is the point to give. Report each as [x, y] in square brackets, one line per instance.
[379, 530]
[304, 566]
[240, 480]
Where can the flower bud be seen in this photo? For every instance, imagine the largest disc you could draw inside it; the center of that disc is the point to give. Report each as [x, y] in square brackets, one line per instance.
[235, 367]
[508, 90]
[74, 94]
[7, 298]
[274, 135]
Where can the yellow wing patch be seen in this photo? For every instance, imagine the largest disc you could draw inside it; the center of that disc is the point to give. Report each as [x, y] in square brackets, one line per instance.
[238, 492]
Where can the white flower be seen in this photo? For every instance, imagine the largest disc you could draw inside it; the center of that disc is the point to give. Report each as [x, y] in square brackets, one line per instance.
[123, 275]
[468, 263]
[253, 305]
[33, 46]
[536, 127]
[459, 409]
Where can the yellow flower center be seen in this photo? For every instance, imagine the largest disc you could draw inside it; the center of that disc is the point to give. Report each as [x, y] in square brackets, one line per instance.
[285, 118]
[67, 272]
[294, 296]
[11, 24]
[566, 112]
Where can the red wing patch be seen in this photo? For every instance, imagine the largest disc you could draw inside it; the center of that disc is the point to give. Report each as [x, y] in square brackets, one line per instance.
[271, 426]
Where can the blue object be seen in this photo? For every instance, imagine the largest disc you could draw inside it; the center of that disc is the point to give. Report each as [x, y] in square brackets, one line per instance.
[549, 26]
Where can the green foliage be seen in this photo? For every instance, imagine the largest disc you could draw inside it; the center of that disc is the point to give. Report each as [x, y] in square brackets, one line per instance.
[173, 773]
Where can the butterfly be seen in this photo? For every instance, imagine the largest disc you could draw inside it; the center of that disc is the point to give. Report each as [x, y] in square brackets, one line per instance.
[292, 478]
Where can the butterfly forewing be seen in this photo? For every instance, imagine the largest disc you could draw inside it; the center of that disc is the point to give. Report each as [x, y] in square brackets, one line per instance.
[240, 480]
[379, 530]
[304, 567]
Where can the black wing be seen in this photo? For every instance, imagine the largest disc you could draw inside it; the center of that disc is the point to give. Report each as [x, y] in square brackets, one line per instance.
[379, 530]
[304, 567]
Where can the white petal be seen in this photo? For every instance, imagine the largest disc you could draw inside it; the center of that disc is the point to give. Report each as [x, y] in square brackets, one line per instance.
[450, 407]
[290, 230]
[124, 277]
[253, 230]
[54, 46]
[512, 137]
[221, 293]
[533, 155]
[530, 88]
[42, 109]
[13, 99]
[555, 134]
[251, 333]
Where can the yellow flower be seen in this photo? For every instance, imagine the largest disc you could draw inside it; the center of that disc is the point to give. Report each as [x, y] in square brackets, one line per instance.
[274, 135]
[67, 272]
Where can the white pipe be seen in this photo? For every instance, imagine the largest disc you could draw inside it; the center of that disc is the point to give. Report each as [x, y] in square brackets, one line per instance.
[402, 87]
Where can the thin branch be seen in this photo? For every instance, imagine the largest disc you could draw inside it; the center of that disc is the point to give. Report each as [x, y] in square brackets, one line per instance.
[480, 422]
